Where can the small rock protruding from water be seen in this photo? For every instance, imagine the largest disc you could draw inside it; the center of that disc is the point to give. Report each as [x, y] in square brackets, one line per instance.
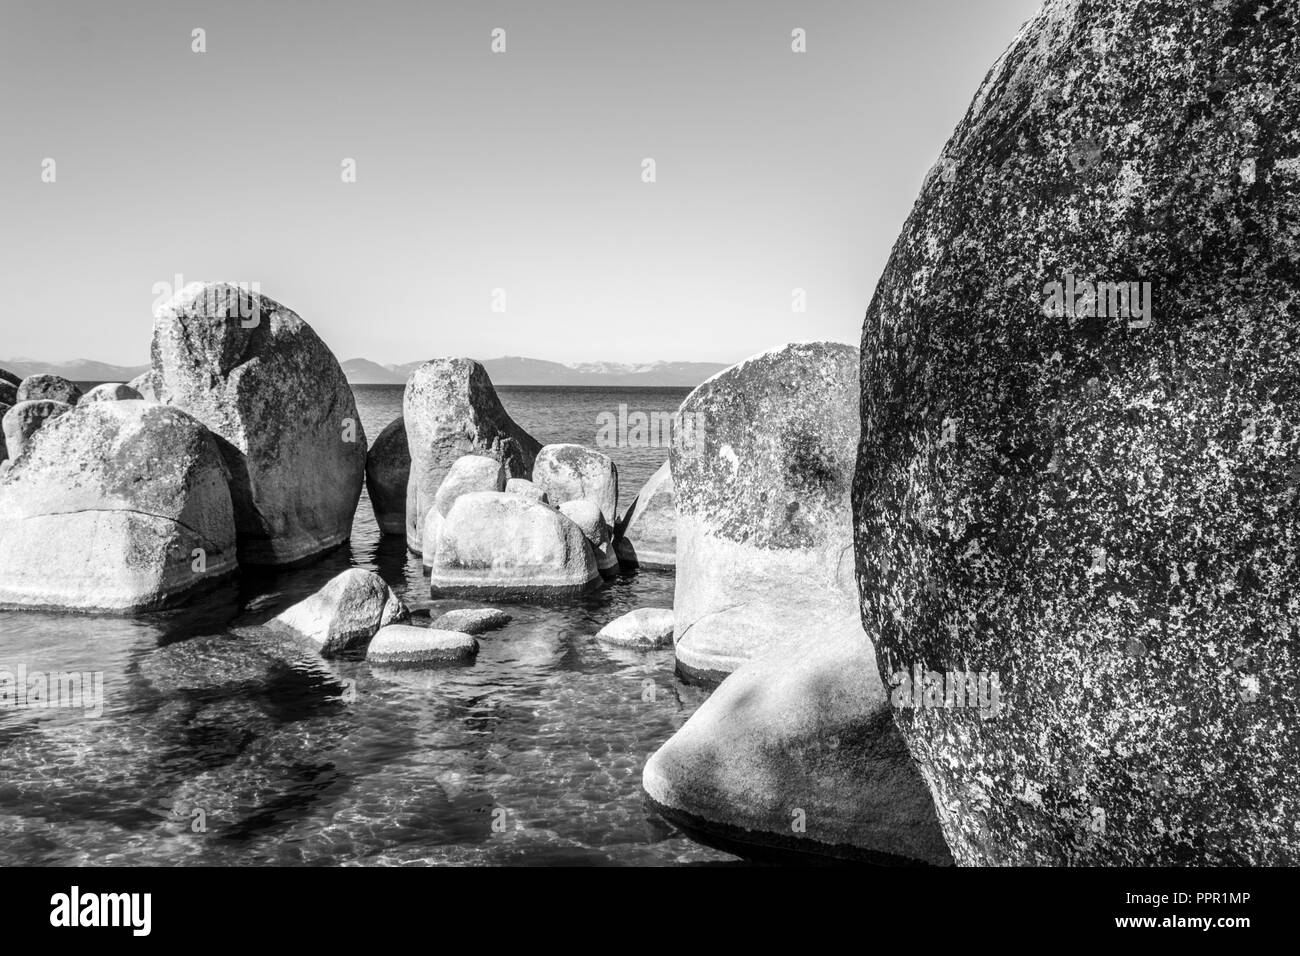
[406, 644]
[646, 627]
[346, 613]
[472, 620]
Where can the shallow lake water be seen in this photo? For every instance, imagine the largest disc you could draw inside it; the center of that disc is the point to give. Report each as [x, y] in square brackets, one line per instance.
[220, 743]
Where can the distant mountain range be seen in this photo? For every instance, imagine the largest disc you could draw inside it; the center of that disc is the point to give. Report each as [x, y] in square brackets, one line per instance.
[509, 370]
[513, 370]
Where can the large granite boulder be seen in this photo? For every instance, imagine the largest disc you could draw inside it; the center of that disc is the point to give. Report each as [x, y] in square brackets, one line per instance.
[346, 613]
[261, 379]
[568, 472]
[764, 531]
[115, 506]
[647, 535]
[796, 755]
[1089, 487]
[25, 419]
[111, 392]
[451, 410]
[497, 544]
[388, 468]
[54, 388]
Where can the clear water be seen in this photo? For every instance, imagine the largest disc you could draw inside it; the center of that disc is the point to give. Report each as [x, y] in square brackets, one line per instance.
[219, 744]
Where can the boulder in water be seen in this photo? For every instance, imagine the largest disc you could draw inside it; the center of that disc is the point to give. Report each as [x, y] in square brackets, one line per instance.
[472, 620]
[588, 518]
[569, 472]
[115, 506]
[54, 388]
[405, 644]
[646, 627]
[388, 469]
[346, 613]
[263, 382]
[647, 533]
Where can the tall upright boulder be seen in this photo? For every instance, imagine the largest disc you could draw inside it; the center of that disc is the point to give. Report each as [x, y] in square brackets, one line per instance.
[764, 531]
[388, 469]
[647, 533]
[451, 409]
[115, 506]
[263, 381]
[1078, 465]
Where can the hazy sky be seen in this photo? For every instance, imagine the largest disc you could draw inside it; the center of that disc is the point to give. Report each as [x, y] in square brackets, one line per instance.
[475, 171]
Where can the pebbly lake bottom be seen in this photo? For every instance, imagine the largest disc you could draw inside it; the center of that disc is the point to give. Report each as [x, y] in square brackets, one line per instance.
[221, 743]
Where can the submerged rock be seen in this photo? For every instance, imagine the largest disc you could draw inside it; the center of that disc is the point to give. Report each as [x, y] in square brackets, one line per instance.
[115, 506]
[472, 620]
[588, 518]
[647, 537]
[574, 473]
[764, 529]
[260, 378]
[388, 469]
[25, 419]
[645, 627]
[796, 755]
[54, 388]
[111, 392]
[495, 543]
[404, 644]
[451, 410]
[1079, 440]
[346, 613]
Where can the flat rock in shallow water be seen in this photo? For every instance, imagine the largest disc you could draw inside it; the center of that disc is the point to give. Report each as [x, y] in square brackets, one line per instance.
[647, 627]
[472, 620]
[404, 644]
[346, 613]
[1078, 467]
[115, 506]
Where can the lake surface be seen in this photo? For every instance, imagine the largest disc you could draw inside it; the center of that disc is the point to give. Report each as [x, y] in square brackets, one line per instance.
[221, 744]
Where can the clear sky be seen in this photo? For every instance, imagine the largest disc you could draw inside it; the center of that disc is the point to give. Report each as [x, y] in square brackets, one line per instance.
[475, 171]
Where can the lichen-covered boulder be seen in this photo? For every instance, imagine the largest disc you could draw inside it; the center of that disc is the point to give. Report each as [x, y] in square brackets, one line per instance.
[54, 388]
[592, 523]
[569, 472]
[25, 419]
[111, 392]
[263, 381]
[493, 543]
[403, 644]
[144, 386]
[388, 468]
[1079, 444]
[796, 755]
[346, 613]
[451, 410]
[115, 506]
[647, 536]
[764, 531]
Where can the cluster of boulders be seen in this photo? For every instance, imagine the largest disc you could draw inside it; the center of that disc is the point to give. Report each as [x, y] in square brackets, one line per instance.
[491, 511]
[240, 446]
